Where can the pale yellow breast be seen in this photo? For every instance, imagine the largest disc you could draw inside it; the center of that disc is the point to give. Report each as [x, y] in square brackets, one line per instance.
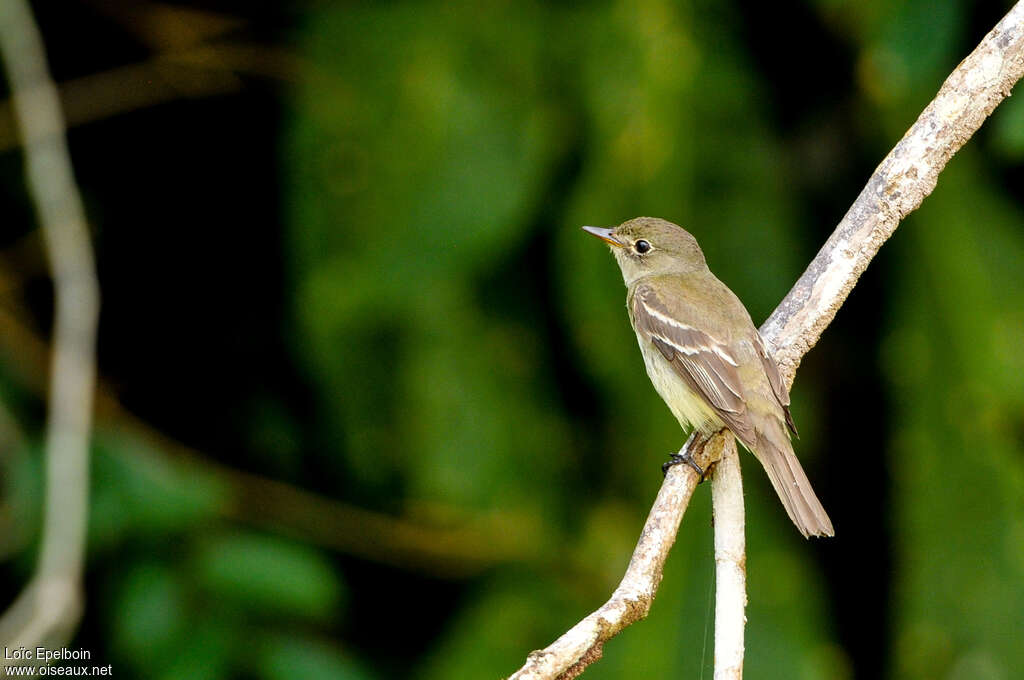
[687, 406]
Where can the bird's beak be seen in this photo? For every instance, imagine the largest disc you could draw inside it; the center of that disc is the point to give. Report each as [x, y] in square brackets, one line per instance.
[606, 235]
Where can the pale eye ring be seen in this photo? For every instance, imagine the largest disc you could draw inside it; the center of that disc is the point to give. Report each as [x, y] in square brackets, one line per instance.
[641, 246]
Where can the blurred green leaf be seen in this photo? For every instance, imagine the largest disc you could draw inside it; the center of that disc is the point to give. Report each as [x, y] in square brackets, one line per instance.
[268, 575]
[386, 263]
[138, 492]
[1007, 129]
[210, 649]
[914, 47]
[286, 657]
[959, 474]
[151, 620]
[23, 493]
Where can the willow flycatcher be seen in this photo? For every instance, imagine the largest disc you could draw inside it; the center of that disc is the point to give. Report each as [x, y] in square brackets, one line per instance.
[706, 358]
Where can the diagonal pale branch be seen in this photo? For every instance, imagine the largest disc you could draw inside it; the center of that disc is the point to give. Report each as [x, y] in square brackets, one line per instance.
[897, 187]
[49, 607]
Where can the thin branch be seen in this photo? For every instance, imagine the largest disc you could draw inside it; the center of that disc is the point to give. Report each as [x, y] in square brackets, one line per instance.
[49, 607]
[897, 187]
[730, 564]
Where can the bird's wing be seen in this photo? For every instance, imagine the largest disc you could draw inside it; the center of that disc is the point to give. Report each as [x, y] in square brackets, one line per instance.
[706, 363]
[778, 387]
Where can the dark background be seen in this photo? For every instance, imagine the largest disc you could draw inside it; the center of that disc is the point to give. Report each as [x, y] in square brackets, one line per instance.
[370, 405]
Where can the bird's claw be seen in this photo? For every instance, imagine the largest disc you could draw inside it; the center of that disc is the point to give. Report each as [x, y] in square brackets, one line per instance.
[683, 458]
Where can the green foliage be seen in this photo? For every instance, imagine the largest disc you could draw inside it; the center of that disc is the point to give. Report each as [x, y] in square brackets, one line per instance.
[418, 156]
[1008, 129]
[957, 450]
[151, 603]
[267, 576]
[288, 657]
[427, 161]
[141, 493]
[471, 641]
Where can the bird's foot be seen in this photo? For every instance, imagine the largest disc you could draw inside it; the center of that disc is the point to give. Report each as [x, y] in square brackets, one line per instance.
[683, 458]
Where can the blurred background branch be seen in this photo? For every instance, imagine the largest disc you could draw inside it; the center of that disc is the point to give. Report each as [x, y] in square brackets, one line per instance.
[49, 607]
[438, 541]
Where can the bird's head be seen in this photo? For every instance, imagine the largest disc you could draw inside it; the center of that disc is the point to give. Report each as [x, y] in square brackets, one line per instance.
[649, 246]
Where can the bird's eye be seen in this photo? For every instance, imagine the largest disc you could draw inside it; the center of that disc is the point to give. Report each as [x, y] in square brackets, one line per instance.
[641, 246]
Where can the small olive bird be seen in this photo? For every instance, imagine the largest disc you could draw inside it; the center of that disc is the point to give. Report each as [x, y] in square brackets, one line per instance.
[706, 358]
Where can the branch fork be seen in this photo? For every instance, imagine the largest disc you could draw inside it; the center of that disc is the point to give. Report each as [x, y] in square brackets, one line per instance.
[896, 188]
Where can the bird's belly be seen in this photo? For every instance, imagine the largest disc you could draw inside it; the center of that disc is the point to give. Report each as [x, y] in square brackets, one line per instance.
[687, 406]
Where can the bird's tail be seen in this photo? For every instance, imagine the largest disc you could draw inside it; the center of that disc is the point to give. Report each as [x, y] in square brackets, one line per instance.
[775, 453]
